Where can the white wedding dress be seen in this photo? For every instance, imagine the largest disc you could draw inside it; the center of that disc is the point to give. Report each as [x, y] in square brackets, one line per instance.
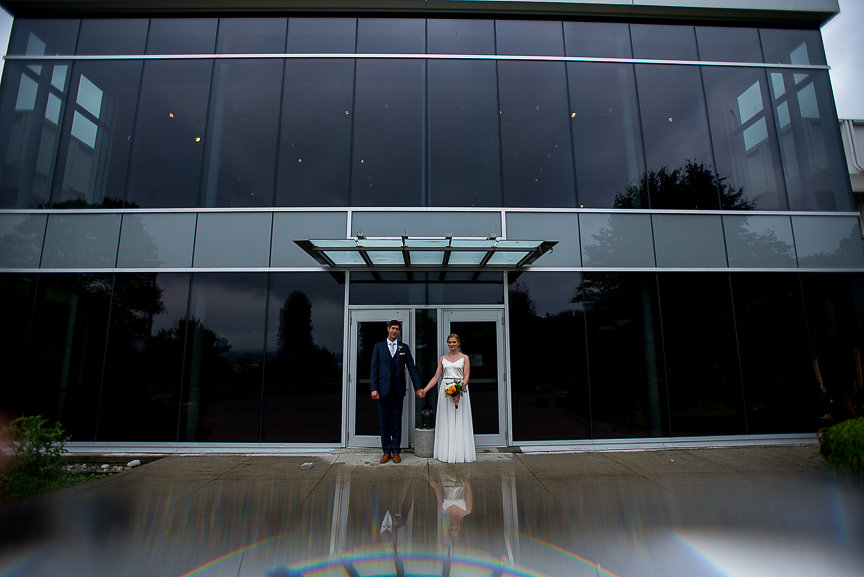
[454, 430]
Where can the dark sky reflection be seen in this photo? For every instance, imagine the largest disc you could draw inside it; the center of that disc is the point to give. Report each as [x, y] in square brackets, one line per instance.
[666, 513]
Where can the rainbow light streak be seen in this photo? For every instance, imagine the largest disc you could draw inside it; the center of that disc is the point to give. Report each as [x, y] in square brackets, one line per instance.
[566, 553]
[228, 556]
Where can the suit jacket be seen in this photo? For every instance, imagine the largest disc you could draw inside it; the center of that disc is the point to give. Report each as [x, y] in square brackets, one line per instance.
[384, 367]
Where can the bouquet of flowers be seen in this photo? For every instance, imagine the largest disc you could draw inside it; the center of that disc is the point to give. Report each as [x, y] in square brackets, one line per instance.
[455, 389]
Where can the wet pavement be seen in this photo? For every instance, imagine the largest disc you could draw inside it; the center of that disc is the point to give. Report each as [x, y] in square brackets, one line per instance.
[736, 512]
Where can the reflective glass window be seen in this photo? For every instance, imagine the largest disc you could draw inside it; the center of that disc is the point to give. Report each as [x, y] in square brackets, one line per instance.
[422, 288]
[156, 240]
[168, 147]
[776, 364]
[688, 241]
[81, 241]
[680, 168]
[607, 140]
[701, 357]
[828, 242]
[549, 400]
[527, 38]
[810, 144]
[597, 39]
[43, 37]
[745, 139]
[792, 46]
[62, 368]
[322, 35]
[224, 358]
[251, 35]
[759, 241]
[628, 399]
[94, 150]
[32, 108]
[536, 146]
[464, 145]
[560, 227]
[728, 44]
[21, 237]
[242, 132]
[225, 239]
[17, 294]
[303, 380]
[663, 42]
[391, 36]
[388, 160]
[182, 36]
[460, 36]
[112, 36]
[622, 240]
[315, 134]
[434, 224]
[144, 360]
[290, 226]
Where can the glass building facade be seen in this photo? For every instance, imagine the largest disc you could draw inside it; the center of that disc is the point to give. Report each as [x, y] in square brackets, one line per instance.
[158, 170]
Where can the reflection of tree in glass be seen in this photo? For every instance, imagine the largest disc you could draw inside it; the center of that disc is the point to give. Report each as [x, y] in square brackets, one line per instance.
[297, 356]
[693, 186]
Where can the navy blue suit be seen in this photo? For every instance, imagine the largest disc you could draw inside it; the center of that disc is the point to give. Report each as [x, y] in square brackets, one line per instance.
[388, 378]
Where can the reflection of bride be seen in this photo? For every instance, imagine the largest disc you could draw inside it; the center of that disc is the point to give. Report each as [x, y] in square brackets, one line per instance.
[455, 502]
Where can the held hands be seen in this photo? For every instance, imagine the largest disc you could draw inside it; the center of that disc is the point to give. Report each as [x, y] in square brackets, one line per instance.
[421, 393]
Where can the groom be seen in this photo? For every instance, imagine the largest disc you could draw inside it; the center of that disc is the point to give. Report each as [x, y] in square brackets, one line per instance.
[389, 360]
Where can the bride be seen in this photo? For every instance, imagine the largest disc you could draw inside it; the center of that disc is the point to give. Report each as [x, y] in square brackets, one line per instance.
[454, 430]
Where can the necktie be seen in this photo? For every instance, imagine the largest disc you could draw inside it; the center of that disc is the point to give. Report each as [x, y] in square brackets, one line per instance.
[392, 348]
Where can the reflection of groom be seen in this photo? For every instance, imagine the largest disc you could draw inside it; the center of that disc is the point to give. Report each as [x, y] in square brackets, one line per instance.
[389, 360]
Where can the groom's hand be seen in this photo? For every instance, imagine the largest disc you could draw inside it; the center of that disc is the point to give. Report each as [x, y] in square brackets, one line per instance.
[374, 395]
[421, 393]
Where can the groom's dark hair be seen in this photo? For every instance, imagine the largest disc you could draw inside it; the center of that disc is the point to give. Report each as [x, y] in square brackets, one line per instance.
[394, 322]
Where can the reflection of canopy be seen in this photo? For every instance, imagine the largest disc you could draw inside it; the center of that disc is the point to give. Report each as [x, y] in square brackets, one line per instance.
[447, 252]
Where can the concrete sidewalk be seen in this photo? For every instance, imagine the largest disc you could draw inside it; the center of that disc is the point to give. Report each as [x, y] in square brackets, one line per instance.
[732, 511]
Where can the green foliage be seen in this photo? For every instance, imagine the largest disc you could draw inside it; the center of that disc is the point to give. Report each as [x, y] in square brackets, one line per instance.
[842, 446]
[37, 448]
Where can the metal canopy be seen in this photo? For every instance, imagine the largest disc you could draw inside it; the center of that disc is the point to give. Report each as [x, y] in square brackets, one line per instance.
[426, 252]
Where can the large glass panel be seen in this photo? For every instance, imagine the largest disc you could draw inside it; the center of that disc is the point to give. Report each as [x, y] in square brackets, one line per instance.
[32, 106]
[303, 380]
[828, 241]
[460, 36]
[479, 340]
[64, 360]
[810, 144]
[112, 36]
[727, 44]
[140, 398]
[781, 393]
[315, 135]
[622, 240]
[464, 144]
[434, 224]
[688, 241]
[168, 147]
[522, 37]
[21, 237]
[680, 169]
[322, 35]
[745, 138]
[426, 288]
[835, 316]
[560, 227]
[536, 141]
[607, 141]
[242, 133]
[43, 37]
[391, 35]
[550, 400]
[388, 158]
[182, 36]
[251, 35]
[156, 240]
[81, 241]
[597, 39]
[792, 46]
[17, 294]
[229, 239]
[701, 358]
[425, 327]
[759, 241]
[224, 356]
[663, 42]
[94, 150]
[628, 392]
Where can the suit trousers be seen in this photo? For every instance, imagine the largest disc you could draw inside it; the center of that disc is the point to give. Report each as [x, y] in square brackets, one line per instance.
[390, 422]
